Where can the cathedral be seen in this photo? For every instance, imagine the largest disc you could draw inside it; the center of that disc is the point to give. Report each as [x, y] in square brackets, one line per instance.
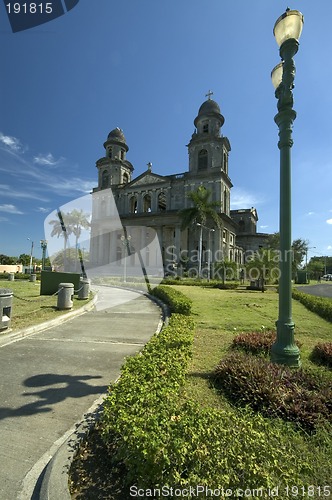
[150, 203]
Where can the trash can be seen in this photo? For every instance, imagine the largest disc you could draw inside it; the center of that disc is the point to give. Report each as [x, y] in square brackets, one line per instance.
[33, 277]
[301, 278]
[11, 276]
[65, 296]
[6, 301]
[84, 289]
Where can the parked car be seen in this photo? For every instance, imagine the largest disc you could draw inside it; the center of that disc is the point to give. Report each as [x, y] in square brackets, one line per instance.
[327, 277]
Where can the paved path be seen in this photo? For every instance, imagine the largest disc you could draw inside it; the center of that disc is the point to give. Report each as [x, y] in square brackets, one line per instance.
[51, 378]
[319, 290]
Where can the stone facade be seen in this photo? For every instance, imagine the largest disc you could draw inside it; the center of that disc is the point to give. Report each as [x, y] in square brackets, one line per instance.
[151, 202]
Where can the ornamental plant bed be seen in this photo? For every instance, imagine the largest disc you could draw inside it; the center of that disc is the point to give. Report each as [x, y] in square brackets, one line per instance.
[257, 342]
[322, 354]
[299, 396]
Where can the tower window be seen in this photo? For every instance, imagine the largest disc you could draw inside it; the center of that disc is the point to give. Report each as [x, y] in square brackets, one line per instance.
[202, 159]
[104, 179]
[206, 128]
[122, 154]
[225, 163]
[133, 205]
[147, 203]
[125, 178]
[161, 202]
[110, 152]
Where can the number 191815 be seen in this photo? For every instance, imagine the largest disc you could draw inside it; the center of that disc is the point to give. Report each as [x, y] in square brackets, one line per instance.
[29, 8]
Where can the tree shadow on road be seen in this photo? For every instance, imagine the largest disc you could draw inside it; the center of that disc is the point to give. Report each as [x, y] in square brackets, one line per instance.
[57, 388]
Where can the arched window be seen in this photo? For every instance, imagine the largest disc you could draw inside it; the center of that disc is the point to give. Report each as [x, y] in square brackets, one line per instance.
[133, 205]
[205, 128]
[104, 179]
[161, 202]
[125, 178]
[122, 154]
[147, 203]
[202, 159]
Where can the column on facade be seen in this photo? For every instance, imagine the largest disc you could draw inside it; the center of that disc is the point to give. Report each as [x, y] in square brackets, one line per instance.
[177, 244]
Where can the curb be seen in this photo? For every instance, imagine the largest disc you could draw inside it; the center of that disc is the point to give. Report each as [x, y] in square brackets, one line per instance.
[19, 334]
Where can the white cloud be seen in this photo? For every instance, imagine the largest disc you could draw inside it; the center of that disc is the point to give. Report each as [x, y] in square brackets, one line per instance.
[10, 209]
[3, 219]
[263, 227]
[7, 191]
[310, 213]
[11, 143]
[46, 159]
[329, 247]
[43, 210]
[329, 221]
[243, 199]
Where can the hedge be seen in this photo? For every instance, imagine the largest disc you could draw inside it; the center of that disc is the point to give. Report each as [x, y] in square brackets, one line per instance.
[319, 305]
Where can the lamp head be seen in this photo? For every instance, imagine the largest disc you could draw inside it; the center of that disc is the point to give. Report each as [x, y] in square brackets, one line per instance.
[288, 25]
[276, 75]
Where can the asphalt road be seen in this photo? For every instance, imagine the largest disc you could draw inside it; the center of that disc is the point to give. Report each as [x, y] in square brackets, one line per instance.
[319, 290]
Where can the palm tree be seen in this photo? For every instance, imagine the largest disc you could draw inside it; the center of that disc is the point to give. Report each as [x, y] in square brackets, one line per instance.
[203, 210]
[61, 229]
[78, 220]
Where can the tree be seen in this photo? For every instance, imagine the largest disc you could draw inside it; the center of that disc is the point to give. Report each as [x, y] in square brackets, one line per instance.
[263, 266]
[64, 230]
[202, 211]
[7, 260]
[66, 224]
[299, 249]
[24, 259]
[78, 220]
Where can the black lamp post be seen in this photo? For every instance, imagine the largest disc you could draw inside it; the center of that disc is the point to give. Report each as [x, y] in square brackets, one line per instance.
[287, 31]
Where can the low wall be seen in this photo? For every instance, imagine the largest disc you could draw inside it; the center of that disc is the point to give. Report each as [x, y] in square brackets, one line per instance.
[13, 268]
[49, 281]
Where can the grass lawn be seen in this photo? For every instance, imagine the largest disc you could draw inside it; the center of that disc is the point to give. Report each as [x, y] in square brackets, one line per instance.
[221, 314]
[31, 308]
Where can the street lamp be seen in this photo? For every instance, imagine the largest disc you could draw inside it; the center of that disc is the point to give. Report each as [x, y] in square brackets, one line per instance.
[287, 31]
[125, 242]
[31, 252]
[43, 244]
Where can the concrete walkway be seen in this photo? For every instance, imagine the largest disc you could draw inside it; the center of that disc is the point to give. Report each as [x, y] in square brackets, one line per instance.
[51, 378]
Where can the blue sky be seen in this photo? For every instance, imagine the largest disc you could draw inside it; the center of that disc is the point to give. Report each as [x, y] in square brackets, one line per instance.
[145, 66]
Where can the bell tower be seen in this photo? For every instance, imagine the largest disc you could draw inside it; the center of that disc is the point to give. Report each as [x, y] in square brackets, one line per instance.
[208, 149]
[113, 168]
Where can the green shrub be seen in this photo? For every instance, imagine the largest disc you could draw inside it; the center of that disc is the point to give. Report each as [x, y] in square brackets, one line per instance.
[322, 354]
[319, 305]
[177, 301]
[256, 342]
[276, 391]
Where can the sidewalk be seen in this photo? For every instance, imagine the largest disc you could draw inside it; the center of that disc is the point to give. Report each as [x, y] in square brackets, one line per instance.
[51, 378]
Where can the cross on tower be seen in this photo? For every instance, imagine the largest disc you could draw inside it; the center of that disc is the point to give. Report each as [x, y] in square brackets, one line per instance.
[209, 94]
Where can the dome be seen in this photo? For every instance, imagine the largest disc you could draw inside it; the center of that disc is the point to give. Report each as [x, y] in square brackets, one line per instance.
[116, 135]
[209, 106]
